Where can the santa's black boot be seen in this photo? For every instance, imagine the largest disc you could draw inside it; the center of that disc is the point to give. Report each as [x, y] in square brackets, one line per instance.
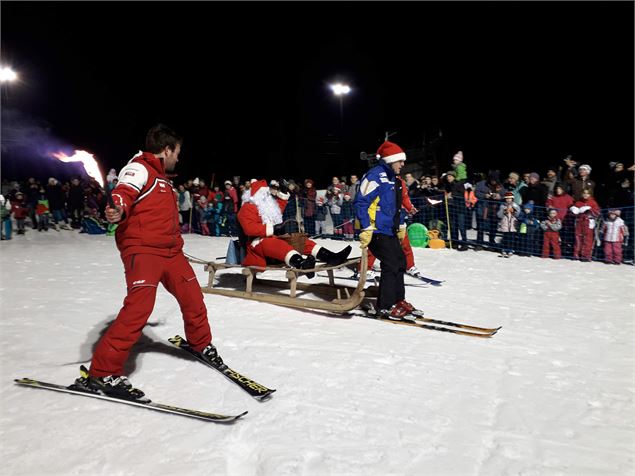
[333, 259]
[299, 262]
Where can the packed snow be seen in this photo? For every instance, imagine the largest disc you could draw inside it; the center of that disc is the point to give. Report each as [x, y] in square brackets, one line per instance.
[552, 393]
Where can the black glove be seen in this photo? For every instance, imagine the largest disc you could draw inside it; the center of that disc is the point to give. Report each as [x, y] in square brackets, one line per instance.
[284, 186]
[286, 227]
[280, 229]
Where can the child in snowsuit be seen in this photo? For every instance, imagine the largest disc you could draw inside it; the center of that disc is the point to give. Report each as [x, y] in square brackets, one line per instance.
[348, 216]
[508, 224]
[551, 240]
[20, 211]
[528, 230]
[586, 211]
[320, 217]
[614, 232]
[42, 211]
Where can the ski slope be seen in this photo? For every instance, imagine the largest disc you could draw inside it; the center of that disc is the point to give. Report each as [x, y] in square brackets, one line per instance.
[551, 394]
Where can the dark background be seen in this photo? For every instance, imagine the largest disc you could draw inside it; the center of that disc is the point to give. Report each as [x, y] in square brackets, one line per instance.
[514, 85]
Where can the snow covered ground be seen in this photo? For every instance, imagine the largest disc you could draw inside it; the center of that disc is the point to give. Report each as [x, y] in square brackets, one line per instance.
[552, 393]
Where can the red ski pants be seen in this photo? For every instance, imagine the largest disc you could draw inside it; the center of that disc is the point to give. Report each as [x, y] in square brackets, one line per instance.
[144, 272]
[551, 241]
[272, 247]
[407, 250]
[583, 247]
[613, 252]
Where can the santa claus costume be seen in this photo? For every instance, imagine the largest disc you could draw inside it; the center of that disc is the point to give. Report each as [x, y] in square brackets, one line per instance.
[261, 222]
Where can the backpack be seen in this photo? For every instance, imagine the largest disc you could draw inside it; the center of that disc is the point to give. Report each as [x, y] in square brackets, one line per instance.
[92, 227]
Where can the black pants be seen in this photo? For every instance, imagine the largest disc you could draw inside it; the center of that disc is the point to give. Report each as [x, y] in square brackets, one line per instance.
[388, 251]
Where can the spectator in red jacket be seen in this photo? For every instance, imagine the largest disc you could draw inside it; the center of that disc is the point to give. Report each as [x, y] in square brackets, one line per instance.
[20, 211]
[586, 211]
[151, 248]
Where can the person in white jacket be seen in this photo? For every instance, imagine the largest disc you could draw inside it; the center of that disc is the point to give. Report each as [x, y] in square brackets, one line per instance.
[615, 233]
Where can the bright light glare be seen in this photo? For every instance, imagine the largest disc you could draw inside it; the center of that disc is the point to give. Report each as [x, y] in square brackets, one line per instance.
[339, 89]
[7, 75]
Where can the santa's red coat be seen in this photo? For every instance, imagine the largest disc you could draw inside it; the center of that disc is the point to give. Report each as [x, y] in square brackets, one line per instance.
[261, 242]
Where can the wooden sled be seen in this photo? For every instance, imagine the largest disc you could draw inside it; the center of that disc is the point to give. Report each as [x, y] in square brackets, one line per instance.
[334, 298]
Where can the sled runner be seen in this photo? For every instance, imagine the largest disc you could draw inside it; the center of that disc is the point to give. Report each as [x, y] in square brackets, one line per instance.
[334, 298]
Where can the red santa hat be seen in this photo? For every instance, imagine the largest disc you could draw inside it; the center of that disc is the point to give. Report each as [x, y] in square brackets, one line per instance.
[458, 156]
[257, 186]
[390, 152]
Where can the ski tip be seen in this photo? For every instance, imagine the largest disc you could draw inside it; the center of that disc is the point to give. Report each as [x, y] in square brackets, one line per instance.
[266, 396]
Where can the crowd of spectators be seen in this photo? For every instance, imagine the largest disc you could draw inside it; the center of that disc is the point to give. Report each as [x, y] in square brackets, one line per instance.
[563, 213]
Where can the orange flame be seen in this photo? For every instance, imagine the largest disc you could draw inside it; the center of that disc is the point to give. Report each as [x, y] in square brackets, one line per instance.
[88, 161]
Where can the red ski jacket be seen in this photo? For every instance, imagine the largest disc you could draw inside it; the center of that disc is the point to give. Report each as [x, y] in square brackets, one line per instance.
[151, 217]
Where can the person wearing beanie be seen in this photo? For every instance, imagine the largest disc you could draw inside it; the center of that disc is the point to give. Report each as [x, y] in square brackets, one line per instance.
[529, 226]
[551, 238]
[455, 195]
[579, 180]
[459, 167]
[536, 193]
[586, 212]
[508, 213]
[261, 228]
[615, 234]
[550, 180]
[515, 185]
[378, 208]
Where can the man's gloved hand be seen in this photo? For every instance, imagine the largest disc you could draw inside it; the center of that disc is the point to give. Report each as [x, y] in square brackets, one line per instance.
[286, 227]
[401, 234]
[284, 186]
[364, 238]
[113, 215]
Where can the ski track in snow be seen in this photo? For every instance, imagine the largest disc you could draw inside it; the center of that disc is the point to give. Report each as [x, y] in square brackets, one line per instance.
[552, 393]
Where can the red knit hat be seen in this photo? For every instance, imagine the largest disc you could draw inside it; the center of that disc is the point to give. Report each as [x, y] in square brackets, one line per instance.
[509, 195]
[390, 152]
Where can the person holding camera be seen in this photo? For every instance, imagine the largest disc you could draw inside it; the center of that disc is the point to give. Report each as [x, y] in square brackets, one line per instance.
[262, 228]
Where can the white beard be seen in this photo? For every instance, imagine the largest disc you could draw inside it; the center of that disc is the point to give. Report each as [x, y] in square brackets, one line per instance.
[268, 207]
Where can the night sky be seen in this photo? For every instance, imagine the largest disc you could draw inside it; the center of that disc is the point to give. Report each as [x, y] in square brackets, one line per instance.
[514, 85]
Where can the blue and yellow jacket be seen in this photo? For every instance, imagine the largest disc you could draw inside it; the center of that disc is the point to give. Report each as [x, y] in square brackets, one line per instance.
[378, 202]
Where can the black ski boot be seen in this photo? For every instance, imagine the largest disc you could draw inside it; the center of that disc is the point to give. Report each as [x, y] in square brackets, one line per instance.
[210, 354]
[116, 386]
[298, 262]
[333, 259]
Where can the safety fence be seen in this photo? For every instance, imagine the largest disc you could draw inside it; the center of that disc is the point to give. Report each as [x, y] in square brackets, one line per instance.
[525, 230]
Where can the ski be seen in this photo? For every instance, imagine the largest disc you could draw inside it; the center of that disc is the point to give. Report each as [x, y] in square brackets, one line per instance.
[215, 417]
[433, 282]
[256, 390]
[486, 330]
[485, 335]
[375, 281]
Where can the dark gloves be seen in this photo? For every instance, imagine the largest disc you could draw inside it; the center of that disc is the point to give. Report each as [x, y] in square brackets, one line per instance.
[286, 227]
[284, 186]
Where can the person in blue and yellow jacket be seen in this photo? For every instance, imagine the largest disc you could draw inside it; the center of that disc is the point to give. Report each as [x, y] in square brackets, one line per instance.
[378, 208]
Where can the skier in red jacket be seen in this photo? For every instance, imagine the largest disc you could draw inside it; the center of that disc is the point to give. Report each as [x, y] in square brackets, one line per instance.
[149, 240]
